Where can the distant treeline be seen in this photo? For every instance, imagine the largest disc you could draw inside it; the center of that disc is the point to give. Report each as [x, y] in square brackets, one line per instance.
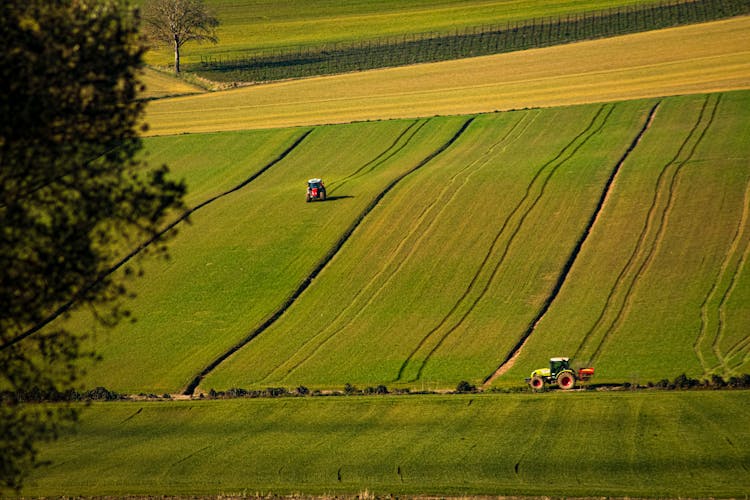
[335, 58]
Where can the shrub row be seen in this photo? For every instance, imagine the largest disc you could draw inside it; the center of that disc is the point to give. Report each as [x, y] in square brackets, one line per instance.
[36, 395]
[681, 382]
[475, 41]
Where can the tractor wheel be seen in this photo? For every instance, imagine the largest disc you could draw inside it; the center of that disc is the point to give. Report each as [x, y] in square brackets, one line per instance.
[537, 383]
[566, 381]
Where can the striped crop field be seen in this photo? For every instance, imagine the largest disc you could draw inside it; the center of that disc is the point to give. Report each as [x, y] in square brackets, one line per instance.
[615, 233]
[699, 58]
[636, 445]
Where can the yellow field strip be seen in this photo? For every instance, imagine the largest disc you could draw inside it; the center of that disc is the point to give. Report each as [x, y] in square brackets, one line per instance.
[160, 84]
[692, 59]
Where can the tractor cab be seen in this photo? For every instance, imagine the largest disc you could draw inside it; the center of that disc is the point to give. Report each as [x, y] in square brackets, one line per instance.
[557, 365]
[316, 190]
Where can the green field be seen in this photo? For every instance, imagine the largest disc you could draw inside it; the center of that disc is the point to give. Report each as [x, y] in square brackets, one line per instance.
[666, 445]
[417, 273]
[258, 25]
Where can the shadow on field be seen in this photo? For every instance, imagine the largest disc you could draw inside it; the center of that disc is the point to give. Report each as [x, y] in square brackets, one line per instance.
[336, 198]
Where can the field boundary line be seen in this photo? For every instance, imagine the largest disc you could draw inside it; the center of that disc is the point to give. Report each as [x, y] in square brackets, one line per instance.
[153, 239]
[652, 249]
[416, 241]
[576, 249]
[190, 389]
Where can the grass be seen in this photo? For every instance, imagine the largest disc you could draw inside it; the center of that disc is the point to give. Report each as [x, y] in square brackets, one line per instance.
[408, 299]
[642, 445]
[241, 256]
[482, 287]
[257, 25]
[666, 213]
[693, 59]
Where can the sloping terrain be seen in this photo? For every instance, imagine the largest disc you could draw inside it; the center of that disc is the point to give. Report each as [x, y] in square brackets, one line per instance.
[447, 246]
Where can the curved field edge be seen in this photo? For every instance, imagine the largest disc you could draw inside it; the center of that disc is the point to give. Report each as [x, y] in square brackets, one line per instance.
[700, 58]
[693, 444]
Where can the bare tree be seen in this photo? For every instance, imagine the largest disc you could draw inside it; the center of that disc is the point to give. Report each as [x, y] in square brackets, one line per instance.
[176, 22]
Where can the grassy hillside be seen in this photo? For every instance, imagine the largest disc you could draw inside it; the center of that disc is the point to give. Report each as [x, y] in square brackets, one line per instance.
[662, 275]
[641, 445]
[242, 256]
[446, 258]
[693, 59]
[444, 241]
[256, 25]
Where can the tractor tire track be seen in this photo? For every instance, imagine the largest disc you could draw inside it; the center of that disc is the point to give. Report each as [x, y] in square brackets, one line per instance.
[652, 250]
[190, 388]
[736, 265]
[378, 160]
[409, 237]
[522, 209]
[384, 156]
[153, 239]
[607, 189]
[642, 242]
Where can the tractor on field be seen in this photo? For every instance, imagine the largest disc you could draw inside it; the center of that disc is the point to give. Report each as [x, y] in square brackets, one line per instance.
[316, 190]
[560, 374]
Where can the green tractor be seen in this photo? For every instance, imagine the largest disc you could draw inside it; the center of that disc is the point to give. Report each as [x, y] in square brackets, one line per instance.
[560, 374]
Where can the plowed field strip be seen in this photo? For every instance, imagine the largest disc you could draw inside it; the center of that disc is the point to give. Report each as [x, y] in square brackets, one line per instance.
[649, 250]
[576, 249]
[520, 211]
[190, 389]
[412, 238]
[67, 306]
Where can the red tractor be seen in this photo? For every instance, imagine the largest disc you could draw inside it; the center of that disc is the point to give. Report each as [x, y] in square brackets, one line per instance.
[316, 190]
[559, 373]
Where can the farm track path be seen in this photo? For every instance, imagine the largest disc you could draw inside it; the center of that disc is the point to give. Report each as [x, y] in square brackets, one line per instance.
[649, 246]
[190, 388]
[644, 246]
[485, 274]
[156, 237]
[507, 363]
[411, 240]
